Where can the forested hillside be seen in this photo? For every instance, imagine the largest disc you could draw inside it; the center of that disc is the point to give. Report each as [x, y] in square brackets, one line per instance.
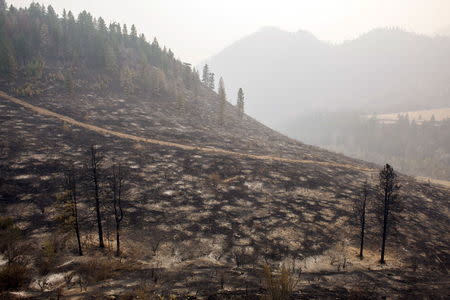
[43, 52]
[416, 148]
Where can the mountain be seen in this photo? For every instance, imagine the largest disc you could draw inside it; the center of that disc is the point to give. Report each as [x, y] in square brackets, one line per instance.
[205, 204]
[292, 73]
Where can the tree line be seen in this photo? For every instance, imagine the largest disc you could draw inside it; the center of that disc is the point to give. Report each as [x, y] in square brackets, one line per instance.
[208, 81]
[36, 43]
[416, 147]
[39, 48]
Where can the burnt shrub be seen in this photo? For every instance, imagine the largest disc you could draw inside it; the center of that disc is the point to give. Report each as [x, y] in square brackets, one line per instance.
[14, 276]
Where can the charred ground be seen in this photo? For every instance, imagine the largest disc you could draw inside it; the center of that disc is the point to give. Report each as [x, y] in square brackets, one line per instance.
[202, 223]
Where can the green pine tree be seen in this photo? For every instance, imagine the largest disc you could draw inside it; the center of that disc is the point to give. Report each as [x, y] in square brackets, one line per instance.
[211, 82]
[101, 25]
[133, 32]
[7, 58]
[205, 75]
[222, 100]
[240, 103]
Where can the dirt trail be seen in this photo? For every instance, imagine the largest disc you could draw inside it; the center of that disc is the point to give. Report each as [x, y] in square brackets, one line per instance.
[46, 112]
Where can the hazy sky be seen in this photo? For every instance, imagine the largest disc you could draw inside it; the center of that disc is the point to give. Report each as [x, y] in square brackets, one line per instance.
[197, 29]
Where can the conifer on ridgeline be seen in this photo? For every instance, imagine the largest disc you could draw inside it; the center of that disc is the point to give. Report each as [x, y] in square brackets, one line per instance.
[211, 82]
[205, 75]
[222, 100]
[240, 103]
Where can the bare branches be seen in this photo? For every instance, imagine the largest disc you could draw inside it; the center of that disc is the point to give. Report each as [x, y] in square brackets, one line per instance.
[116, 182]
[359, 209]
[70, 185]
[94, 166]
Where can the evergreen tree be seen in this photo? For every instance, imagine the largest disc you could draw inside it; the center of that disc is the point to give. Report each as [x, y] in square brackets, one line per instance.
[133, 32]
[70, 17]
[222, 100]
[155, 44]
[51, 12]
[211, 81]
[7, 59]
[205, 75]
[170, 54]
[389, 188]
[102, 25]
[240, 103]
[359, 209]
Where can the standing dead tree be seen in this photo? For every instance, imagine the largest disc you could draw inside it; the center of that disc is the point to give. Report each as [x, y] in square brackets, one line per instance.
[70, 185]
[116, 184]
[93, 167]
[389, 188]
[359, 209]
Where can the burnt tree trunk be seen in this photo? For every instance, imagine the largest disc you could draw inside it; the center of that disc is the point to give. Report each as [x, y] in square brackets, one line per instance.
[76, 224]
[363, 225]
[116, 184]
[95, 161]
[71, 187]
[385, 224]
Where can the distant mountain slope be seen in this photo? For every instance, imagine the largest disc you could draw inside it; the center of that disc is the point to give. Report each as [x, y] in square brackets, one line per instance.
[285, 73]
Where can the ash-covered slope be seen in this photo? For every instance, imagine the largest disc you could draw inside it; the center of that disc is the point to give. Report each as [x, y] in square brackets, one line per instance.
[212, 212]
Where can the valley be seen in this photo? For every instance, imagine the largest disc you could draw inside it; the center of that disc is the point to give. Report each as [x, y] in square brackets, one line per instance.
[418, 116]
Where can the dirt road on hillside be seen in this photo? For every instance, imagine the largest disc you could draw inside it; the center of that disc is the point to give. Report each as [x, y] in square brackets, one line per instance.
[48, 113]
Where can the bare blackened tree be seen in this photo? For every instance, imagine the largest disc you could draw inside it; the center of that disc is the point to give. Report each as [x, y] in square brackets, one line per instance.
[93, 172]
[389, 188]
[116, 183]
[359, 208]
[70, 185]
